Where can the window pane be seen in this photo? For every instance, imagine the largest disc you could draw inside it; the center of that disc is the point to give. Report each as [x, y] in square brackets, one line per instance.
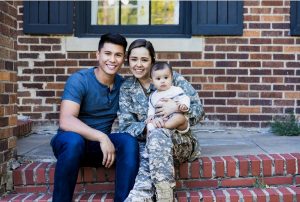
[135, 13]
[165, 12]
[105, 12]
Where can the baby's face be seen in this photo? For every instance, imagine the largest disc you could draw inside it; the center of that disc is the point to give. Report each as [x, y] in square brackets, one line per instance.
[162, 79]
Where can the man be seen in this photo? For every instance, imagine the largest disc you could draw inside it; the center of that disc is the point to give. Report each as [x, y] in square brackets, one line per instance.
[89, 106]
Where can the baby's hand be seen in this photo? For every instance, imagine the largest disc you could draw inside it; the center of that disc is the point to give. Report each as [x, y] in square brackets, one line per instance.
[158, 122]
[183, 107]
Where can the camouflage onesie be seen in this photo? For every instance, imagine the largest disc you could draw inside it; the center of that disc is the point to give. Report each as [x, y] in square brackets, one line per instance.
[163, 147]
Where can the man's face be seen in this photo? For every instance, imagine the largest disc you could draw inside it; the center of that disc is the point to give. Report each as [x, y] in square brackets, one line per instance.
[111, 58]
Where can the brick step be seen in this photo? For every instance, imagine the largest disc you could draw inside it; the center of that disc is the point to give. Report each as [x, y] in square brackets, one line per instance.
[276, 194]
[205, 172]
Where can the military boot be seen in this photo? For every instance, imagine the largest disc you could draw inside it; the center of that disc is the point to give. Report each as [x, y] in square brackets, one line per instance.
[164, 192]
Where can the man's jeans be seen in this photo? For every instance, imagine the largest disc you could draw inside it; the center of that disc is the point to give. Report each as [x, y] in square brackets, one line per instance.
[73, 151]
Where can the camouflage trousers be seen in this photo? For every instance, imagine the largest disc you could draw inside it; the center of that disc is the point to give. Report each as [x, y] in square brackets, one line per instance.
[162, 149]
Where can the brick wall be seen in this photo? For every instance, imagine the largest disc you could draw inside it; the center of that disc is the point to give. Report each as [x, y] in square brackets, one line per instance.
[8, 87]
[242, 80]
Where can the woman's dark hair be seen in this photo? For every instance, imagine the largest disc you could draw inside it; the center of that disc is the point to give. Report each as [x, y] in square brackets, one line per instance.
[159, 66]
[114, 39]
[142, 43]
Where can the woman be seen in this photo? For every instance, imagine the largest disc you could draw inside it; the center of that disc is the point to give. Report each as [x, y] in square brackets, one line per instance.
[163, 147]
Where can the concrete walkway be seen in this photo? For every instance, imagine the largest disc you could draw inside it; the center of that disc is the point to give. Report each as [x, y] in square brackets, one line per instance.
[214, 141]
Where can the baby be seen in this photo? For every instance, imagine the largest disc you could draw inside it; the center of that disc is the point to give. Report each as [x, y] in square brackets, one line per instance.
[162, 77]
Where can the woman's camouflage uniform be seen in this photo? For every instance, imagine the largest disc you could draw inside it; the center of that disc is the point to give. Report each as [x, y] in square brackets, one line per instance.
[163, 147]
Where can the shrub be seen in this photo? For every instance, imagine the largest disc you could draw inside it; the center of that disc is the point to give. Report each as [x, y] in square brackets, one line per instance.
[286, 126]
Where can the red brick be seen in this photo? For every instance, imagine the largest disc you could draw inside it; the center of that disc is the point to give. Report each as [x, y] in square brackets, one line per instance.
[109, 198]
[280, 180]
[220, 196]
[80, 176]
[237, 182]
[40, 173]
[297, 191]
[55, 56]
[8, 197]
[194, 196]
[247, 196]
[214, 41]
[18, 175]
[286, 194]
[50, 40]
[195, 169]
[243, 166]
[94, 197]
[214, 56]
[297, 180]
[255, 165]
[200, 183]
[274, 196]
[261, 196]
[184, 171]
[100, 174]
[31, 189]
[266, 164]
[283, 57]
[233, 195]
[15, 197]
[181, 196]
[297, 156]
[219, 166]
[32, 197]
[290, 163]
[89, 174]
[79, 188]
[51, 173]
[107, 187]
[278, 163]
[231, 40]
[82, 197]
[110, 174]
[46, 197]
[207, 196]
[206, 167]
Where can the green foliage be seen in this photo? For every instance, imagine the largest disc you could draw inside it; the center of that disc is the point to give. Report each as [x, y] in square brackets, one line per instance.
[286, 126]
[259, 183]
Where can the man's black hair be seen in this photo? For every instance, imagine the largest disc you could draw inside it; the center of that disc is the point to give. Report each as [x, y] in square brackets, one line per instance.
[114, 39]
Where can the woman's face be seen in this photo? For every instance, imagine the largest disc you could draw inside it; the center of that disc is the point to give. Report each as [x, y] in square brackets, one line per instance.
[140, 63]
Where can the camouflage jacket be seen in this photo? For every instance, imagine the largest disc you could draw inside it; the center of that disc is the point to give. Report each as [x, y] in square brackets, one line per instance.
[134, 105]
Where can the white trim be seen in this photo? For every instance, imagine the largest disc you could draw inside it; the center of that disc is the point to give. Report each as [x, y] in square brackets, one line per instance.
[194, 44]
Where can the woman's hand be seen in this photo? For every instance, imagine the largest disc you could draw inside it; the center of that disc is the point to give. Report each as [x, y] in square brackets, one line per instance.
[165, 107]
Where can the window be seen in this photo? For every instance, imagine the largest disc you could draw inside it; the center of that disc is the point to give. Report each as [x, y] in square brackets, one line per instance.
[133, 18]
[137, 18]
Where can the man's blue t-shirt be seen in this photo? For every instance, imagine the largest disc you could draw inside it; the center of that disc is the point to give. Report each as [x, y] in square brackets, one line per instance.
[98, 104]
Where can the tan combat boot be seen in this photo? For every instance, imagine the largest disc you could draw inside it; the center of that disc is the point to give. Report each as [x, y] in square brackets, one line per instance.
[164, 192]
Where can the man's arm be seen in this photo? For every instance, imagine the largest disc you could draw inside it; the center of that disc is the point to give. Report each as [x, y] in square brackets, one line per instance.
[68, 121]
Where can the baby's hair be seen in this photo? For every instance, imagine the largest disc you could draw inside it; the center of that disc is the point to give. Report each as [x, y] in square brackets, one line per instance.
[160, 66]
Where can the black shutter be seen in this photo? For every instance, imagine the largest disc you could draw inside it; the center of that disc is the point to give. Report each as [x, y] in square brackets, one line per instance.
[295, 18]
[217, 17]
[48, 17]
